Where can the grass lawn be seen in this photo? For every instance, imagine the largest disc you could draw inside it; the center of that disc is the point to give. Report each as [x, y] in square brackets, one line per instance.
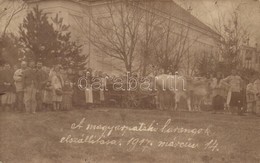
[159, 137]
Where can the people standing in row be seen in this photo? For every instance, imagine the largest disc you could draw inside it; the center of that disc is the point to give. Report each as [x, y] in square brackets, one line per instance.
[39, 90]
[35, 88]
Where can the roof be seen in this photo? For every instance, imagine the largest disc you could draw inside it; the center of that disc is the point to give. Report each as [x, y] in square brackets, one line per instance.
[174, 10]
[168, 7]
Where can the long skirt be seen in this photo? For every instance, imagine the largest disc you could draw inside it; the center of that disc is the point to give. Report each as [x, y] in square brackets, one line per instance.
[218, 103]
[89, 95]
[30, 98]
[235, 99]
[47, 96]
[78, 97]
[8, 98]
[102, 95]
[67, 101]
[55, 97]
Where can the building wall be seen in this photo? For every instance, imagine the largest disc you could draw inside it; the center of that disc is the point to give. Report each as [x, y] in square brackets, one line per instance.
[77, 16]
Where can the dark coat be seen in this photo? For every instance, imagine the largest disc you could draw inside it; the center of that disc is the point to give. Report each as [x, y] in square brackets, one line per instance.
[29, 77]
[41, 79]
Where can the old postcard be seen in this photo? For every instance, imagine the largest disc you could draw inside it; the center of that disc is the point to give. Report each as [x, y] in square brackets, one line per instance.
[129, 81]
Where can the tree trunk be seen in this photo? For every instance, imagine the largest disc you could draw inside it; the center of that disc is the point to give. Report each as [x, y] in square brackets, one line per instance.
[144, 68]
[128, 68]
[145, 63]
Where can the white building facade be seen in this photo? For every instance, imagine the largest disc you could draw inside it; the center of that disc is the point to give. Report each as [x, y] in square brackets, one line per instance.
[75, 12]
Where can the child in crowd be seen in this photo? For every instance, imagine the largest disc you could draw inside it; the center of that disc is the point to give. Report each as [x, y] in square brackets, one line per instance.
[47, 96]
[67, 96]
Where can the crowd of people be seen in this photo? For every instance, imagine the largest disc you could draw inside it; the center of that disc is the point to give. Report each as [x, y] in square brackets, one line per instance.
[33, 87]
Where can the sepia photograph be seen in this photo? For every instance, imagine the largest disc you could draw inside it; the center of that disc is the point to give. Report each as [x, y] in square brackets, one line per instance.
[129, 81]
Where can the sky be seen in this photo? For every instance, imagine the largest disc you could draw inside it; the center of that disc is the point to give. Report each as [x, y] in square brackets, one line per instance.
[208, 12]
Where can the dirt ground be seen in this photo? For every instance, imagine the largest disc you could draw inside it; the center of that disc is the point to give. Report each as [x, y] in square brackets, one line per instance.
[178, 137]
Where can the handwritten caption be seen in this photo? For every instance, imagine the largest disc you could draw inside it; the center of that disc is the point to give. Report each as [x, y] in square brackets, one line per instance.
[143, 136]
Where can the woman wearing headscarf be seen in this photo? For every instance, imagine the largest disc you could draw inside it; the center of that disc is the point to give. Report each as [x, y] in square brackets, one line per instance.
[57, 84]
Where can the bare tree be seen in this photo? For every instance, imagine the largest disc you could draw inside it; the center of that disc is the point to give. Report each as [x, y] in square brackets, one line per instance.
[173, 46]
[133, 30]
[233, 35]
[117, 33]
[150, 34]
